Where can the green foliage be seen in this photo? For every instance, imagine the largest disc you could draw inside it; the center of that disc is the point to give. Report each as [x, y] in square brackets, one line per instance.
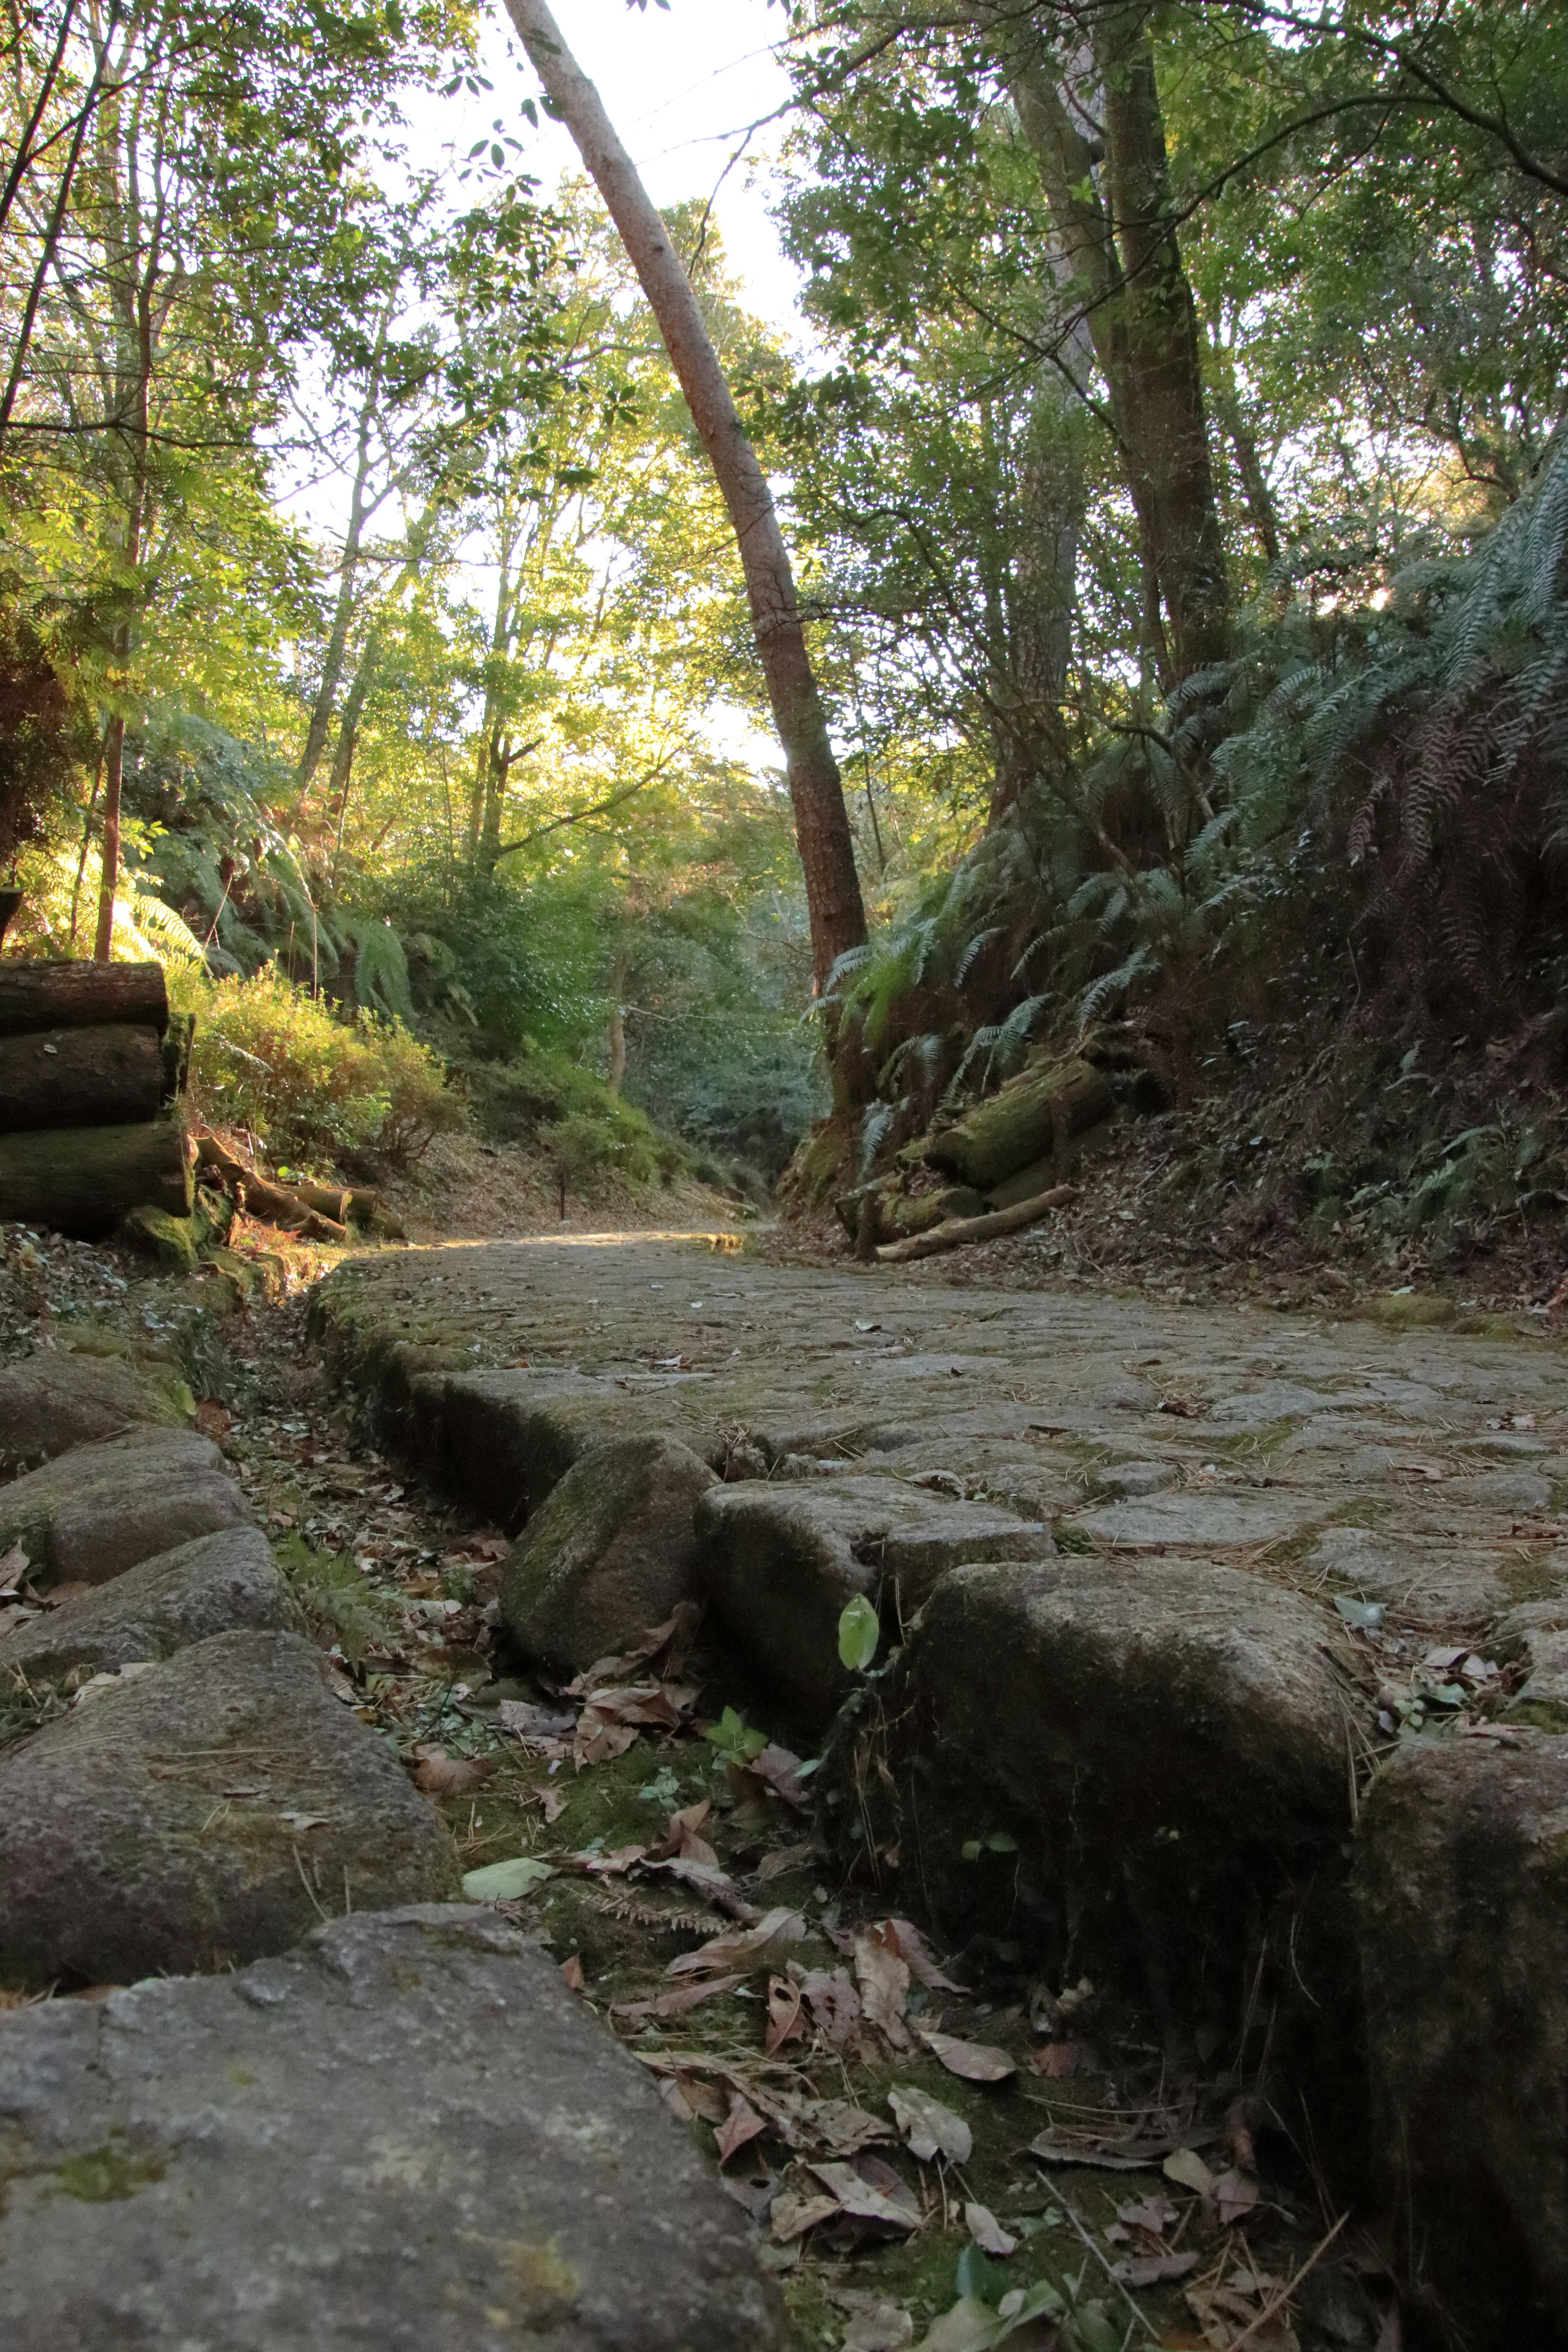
[859, 1631]
[732, 1741]
[273, 1061]
[336, 1598]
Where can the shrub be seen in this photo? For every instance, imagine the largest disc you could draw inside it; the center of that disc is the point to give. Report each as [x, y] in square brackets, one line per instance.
[273, 1060]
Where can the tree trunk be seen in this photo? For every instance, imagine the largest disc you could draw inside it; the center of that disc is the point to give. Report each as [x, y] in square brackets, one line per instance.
[338, 639]
[83, 1180]
[81, 1077]
[40, 995]
[1116, 226]
[822, 821]
[108, 882]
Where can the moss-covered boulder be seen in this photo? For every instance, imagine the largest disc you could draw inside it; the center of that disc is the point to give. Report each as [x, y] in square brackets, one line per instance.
[96, 1511]
[163, 1604]
[54, 1400]
[608, 1554]
[205, 1812]
[1462, 1906]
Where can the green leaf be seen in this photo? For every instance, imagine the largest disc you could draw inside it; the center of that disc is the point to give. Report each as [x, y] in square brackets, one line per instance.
[505, 1882]
[1001, 1842]
[860, 1630]
[972, 1849]
[976, 2276]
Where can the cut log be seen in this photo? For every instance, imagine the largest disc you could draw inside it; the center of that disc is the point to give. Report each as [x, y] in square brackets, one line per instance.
[959, 1230]
[83, 1180]
[257, 1196]
[79, 1077]
[1036, 1113]
[41, 995]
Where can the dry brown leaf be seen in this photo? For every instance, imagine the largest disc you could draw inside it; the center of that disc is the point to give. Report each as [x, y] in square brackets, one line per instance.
[1153, 2270]
[1059, 2060]
[842, 2129]
[793, 2214]
[213, 1420]
[571, 1975]
[784, 2022]
[526, 1721]
[987, 2232]
[832, 2000]
[775, 1768]
[747, 1946]
[673, 2004]
[1233, 2196]
[883, 1976]
[870, 2190]
[884, 2328]
[930, 2128]
[976, 2062]
[552, 1801]
[440, 1775]
[683, 1839]
[1152, 2214]
[606, 1866]
[739, 2128]
[597, 1741]
[14, 1567]
[913, 1949]
[782, 1858]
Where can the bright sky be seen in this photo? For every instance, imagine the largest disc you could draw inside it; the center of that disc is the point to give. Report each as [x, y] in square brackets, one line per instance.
[681, 85]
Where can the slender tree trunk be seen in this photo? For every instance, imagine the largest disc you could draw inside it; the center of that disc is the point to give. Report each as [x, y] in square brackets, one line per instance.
[337, 641]
[822, 821]
[1114, 220]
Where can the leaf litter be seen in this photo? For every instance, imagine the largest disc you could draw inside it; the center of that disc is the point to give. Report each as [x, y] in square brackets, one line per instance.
[793, 2038]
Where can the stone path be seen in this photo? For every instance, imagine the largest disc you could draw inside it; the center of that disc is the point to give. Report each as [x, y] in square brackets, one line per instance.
[1213, 1648]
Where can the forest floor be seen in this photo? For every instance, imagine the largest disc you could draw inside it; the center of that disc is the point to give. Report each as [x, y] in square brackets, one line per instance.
[810, 2083]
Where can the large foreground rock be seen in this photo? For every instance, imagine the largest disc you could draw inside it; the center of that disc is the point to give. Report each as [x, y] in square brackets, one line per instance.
[53, 1400]
[214, 1585]
[102, 1509]
[1462, 1898]
[99, 1509]
[1124, 1765]
[207, 1811]
[609, 1553]
[779, 1561]
[406, 2137]
[505, 1439]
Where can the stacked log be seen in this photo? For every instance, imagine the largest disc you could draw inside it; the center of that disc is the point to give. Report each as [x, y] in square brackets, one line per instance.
[92, 1066]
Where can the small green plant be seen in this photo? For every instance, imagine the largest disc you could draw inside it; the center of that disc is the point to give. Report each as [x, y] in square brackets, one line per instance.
[733, 1742]
[336, 1598]
[273, 1060]
[663, 1789]
[994, 1841]
[860, 1630]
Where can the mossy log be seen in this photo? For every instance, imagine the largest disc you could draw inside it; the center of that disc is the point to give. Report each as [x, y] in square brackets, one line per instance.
[957, 1231]
[35, 994]
[81, 1077]
[1035, 1114]
[84, 1180]
[256, 1196]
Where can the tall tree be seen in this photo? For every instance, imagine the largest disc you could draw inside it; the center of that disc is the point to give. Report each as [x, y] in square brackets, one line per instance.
[822, 823]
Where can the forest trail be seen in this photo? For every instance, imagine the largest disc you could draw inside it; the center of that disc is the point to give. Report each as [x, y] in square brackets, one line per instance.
[1010, 2020]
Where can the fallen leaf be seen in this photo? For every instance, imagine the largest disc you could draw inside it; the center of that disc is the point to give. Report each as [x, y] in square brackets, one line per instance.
[597, 1741]
[1187, 2171]
[883, 1976]
[976, 2062]
[748, 1945]
[883, 2328]
[882, 2197]
[776, 1767]
[673, 2094]
[552, 1801]
[1153, 2214]
[1059, 2060]
[1153, 2270]
[842, 2129]
[674, 2004]
[506, 1881]
[1131, 2152]
[784, 2022]
[833, 2001]
[213, 1420]
[739, 2128]
[793, 2214]
[683, 1838]
[14, 1567]
[915, 1952]
[571, 1975]
[306, 1821]
[930, 2128]
[987, 2232]
[1232, 2194]
[440, 1775]
[782, 1858]
[526, 1721]
[609, 1866]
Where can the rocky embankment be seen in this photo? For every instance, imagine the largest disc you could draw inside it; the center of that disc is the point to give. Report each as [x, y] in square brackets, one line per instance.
[1219, 1697]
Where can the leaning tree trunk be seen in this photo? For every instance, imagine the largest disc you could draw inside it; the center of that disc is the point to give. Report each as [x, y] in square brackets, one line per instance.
[822, 821]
